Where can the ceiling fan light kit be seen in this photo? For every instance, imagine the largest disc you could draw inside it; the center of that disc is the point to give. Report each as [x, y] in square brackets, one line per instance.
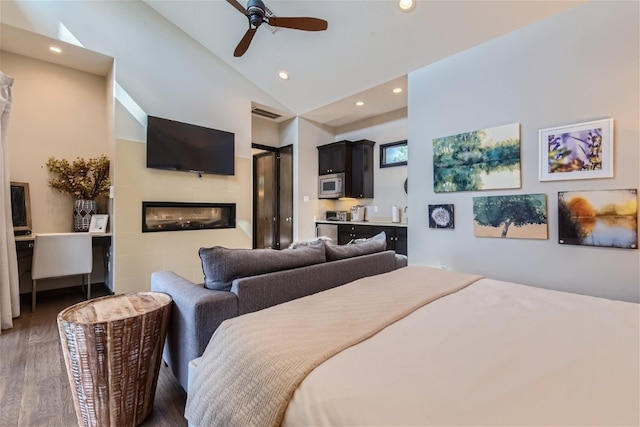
[257, 14]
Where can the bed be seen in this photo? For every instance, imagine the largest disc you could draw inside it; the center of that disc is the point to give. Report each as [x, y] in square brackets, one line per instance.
[423, 346]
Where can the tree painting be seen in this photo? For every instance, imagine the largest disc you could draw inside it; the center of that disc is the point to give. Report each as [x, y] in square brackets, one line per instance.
[519, 216]
[598, 218]
[479, 160]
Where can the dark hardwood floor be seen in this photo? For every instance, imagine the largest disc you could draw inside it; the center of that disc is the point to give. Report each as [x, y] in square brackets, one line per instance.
[34, 388]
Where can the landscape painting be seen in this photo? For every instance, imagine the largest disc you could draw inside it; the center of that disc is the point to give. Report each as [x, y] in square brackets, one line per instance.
[521, 216]
[441, 216]
[607, 218]
[485, 159]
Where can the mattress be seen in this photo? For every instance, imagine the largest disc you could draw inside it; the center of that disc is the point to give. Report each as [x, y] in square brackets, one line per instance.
[494, 353]
[488, 353]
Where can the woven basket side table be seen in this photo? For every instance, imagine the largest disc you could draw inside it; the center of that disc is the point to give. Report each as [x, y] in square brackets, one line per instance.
[113, 349]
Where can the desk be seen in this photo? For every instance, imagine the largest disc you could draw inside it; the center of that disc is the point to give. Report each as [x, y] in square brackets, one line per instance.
[25, 243]
[24, 249]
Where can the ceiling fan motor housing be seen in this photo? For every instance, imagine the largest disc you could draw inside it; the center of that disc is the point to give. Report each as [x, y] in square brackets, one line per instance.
[255, 10]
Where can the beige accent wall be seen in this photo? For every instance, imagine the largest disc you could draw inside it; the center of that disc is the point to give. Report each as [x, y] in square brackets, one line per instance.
[57, 111]
[139, 254]
[61, 112]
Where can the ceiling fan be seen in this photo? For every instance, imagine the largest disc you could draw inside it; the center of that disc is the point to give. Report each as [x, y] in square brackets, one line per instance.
[257, 13]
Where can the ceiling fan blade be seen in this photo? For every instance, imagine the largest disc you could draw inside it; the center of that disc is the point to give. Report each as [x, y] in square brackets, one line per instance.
[244, 43]
[238, 6]
[306, 24]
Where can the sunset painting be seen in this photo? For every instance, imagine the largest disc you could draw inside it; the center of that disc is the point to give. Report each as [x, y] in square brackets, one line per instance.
[606, 218]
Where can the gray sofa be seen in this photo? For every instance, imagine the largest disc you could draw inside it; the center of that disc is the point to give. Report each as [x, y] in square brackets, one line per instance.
[272, 277]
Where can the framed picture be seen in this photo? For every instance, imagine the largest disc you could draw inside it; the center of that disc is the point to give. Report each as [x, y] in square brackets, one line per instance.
[394, 154]
[485, 159]
[606, 218]
[98, 223]
[441, 216]
[20, 208]
[580, 151]
[518, 216]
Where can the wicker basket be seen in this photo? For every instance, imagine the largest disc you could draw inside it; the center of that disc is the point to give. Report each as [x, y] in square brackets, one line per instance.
[112, 349]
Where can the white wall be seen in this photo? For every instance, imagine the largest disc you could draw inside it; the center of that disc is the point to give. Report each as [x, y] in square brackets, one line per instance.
[578, 66]
[388, 182]
[305, 173]
[265, 132]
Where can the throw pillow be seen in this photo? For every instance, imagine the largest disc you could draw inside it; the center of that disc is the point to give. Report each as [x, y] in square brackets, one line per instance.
[222, 265]
[315, 241]
[377, 243]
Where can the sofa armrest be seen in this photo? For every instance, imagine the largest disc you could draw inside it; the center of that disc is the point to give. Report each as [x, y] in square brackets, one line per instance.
[401, 261]
[195, 314]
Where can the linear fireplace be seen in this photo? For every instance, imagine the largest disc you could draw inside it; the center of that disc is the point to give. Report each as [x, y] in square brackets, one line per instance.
[179, 216]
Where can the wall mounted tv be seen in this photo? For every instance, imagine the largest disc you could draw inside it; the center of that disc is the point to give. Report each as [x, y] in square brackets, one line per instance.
[185, 147]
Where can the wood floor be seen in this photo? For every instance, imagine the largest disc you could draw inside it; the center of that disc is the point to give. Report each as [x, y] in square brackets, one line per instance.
[34, 388]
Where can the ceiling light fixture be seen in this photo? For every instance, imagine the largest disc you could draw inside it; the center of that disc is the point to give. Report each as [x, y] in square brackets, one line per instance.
[283, 75]
[360, 103]
[55, 49]
[406, 5]
[397, 90]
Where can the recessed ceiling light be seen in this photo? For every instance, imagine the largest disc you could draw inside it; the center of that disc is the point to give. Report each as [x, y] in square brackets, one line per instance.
[360, 103]
[397, 90]
[283, 75]
[55, 49]
[406, 5]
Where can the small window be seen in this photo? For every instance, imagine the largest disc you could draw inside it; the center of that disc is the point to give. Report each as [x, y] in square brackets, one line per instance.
[394, 154]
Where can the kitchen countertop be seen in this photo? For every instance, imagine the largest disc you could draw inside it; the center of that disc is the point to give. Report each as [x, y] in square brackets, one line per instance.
[378, 223]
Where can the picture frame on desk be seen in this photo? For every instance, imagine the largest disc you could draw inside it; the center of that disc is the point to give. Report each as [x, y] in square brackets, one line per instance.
[20, 208]
[99, 223]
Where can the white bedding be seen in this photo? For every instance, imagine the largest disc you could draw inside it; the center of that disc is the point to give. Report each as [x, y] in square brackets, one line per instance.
[494, 353]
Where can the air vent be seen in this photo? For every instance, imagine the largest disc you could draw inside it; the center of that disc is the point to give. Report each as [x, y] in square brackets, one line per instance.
[265, 113]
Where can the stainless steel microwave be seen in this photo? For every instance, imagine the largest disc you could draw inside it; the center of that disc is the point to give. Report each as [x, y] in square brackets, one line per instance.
[331, 186]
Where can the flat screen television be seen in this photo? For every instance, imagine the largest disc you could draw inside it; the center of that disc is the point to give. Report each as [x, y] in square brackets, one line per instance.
[185, 147]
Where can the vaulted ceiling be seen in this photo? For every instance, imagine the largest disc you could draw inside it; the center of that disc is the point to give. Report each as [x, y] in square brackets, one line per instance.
[369, 48]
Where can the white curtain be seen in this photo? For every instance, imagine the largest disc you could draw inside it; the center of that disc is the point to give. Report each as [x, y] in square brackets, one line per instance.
[9, 285]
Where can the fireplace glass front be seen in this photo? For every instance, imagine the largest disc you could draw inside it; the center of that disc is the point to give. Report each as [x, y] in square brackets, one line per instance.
[178, 216]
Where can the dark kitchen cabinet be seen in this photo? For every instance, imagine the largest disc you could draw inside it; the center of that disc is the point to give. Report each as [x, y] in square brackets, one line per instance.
[362, 169]
[396, 236]
[355, 160]
[348, 232]
[333, 158]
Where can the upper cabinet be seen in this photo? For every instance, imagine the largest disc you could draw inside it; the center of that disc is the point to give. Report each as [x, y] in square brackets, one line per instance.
[333, 158]
[355, 160]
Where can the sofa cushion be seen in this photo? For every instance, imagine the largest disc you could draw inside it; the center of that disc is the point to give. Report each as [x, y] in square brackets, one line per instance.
[377, 243]
[222, 265]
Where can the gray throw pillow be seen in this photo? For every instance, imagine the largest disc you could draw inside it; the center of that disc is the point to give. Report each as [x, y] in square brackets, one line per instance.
[377, 243]
[222, 265]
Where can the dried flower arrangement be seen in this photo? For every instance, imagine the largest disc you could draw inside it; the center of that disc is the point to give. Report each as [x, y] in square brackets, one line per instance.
[83, 179]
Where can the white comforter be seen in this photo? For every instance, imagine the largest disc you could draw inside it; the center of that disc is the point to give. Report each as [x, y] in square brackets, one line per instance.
[494, 353]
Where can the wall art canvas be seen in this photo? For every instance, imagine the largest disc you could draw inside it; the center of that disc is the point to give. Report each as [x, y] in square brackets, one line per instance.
[606, 218]
[580, 151]
[441, 216]
[521, 216]
[485, 159]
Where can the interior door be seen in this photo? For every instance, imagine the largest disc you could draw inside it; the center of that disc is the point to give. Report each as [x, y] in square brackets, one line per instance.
[285, 196]
[264, 200]
[272, 197]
